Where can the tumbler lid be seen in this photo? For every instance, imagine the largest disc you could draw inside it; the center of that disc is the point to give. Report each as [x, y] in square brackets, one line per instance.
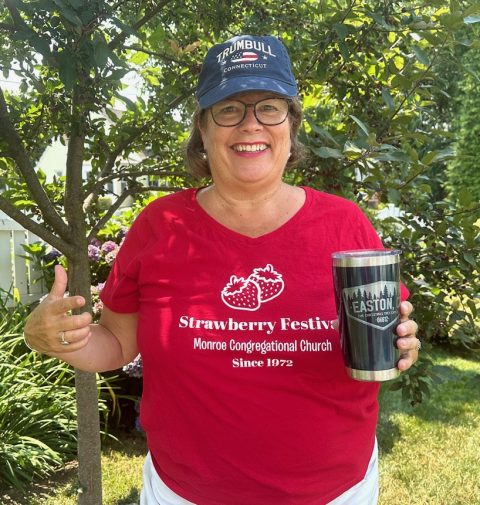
[366, 257]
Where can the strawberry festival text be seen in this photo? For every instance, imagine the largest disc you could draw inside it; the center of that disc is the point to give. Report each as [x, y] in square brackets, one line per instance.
[230, 324]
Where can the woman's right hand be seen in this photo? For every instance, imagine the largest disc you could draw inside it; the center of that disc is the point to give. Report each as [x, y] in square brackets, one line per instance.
[50, 321]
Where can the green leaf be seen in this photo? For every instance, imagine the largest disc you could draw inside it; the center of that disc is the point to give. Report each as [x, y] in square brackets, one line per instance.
[327, 152]
[391, 156]
[429, 157]
[473, 9]
[125, 28]
[380, 20]
[67, 69]
[138, 58]
[395, 386]
[465, 196]
[387, 98]
[402, 82]
[67, 13]
[362, 125]
[472, 307]
[129, 103]
[322, 132]
[41, 45]
[351, 148]
[101, 53]
[394, 196]
[341, 30]
[470, 258]
[421, 55]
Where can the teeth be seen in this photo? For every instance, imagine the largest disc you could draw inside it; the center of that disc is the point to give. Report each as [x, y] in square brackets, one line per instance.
[250, 148]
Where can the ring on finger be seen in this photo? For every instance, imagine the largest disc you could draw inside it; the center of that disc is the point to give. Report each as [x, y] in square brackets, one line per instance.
[61, 336]
[419, 345]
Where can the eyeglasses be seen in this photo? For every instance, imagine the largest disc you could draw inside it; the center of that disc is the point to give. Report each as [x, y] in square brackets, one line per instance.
[269, 111]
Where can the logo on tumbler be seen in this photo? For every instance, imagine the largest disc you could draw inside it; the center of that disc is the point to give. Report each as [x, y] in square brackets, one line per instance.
[374, 304]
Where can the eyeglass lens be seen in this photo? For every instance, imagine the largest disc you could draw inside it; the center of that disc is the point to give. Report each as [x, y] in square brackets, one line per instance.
[269, 111]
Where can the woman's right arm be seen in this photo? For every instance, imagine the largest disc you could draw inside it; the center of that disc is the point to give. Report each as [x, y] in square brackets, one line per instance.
[108, 345]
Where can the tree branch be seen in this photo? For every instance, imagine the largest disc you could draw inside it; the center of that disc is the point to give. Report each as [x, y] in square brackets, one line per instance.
[31, 225]
[120, 39]
[15, 15]
[6, 26]
[25, 167]
[127, 175]
[118, 202]
[162, 56]
[125, 143]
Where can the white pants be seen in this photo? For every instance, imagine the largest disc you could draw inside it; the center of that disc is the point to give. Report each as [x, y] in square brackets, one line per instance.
[155, 491]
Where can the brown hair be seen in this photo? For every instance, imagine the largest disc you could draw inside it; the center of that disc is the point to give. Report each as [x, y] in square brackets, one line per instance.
[195, 156]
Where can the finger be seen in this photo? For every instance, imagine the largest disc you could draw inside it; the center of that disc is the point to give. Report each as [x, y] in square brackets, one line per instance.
[335, 324]
[406, 308]
[77, 322]
[74, 340]
[64, 305]
[75, 336]
[407, 344]
[407, 328]
[405, 362]
[60, 283]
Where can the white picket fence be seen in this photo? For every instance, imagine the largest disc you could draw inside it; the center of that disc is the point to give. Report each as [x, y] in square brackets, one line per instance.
[18, 277]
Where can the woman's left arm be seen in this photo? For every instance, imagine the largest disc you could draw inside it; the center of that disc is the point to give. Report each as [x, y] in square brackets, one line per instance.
[408, 343]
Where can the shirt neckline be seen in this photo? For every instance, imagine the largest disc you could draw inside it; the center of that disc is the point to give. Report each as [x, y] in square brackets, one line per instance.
[245, 239]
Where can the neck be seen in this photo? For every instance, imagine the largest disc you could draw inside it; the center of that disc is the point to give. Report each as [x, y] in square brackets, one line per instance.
[252, 214]
[247, 199]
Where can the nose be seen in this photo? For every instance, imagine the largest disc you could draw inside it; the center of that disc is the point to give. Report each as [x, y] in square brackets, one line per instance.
[250, 122]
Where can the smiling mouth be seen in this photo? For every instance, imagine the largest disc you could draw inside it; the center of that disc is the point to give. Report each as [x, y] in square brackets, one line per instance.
[250, 148]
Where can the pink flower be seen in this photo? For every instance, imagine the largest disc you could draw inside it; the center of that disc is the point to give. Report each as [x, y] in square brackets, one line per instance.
[97, 307]
[110, 257]
[109, 246]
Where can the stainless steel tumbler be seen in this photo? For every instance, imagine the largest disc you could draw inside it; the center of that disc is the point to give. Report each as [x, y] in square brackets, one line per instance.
[367, 292]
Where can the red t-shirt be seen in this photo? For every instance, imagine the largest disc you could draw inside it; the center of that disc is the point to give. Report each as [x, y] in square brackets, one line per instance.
[245, 398]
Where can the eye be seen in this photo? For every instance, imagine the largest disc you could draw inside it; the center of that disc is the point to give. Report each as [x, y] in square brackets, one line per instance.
[268, 107]
[228, 108]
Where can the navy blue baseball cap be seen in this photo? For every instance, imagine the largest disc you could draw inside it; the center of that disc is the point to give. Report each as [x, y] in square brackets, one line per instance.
[245, 63]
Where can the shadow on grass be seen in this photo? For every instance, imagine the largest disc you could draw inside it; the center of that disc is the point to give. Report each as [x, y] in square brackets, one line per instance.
[40, 489]
[453, 396]
[127, 443]
[131, 499]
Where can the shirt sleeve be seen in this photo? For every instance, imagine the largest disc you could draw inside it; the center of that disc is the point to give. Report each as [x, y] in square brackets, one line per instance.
[121, 290]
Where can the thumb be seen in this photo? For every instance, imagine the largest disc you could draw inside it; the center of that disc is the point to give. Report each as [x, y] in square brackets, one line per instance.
[60, 283]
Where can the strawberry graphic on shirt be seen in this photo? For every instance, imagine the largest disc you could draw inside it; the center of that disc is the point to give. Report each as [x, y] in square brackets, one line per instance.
[241, 294]
[262, 285]
[269, 281]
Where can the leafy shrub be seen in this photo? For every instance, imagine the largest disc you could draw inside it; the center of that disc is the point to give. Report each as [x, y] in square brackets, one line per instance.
[37, 407]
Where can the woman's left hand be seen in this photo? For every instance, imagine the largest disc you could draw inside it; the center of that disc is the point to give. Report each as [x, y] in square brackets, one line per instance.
[408, 343]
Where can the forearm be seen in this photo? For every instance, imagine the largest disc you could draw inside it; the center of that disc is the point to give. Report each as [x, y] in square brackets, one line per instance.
[101, 352]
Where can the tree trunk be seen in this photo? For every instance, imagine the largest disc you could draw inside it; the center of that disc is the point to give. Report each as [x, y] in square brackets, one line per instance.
[89, 449]
[88, 418]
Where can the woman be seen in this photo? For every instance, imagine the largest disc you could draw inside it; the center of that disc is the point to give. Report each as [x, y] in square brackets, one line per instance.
[226, 292]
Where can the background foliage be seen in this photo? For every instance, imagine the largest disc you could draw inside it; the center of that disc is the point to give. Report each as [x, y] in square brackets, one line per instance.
[389, 90]
[37, 407]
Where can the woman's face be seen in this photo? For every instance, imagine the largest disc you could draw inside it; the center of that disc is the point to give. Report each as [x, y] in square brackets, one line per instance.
[249, 153]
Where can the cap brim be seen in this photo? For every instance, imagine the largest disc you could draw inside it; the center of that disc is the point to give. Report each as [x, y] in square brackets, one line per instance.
[230, 87]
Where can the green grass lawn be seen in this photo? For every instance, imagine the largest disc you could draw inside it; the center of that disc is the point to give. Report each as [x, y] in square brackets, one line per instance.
[429, 454]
